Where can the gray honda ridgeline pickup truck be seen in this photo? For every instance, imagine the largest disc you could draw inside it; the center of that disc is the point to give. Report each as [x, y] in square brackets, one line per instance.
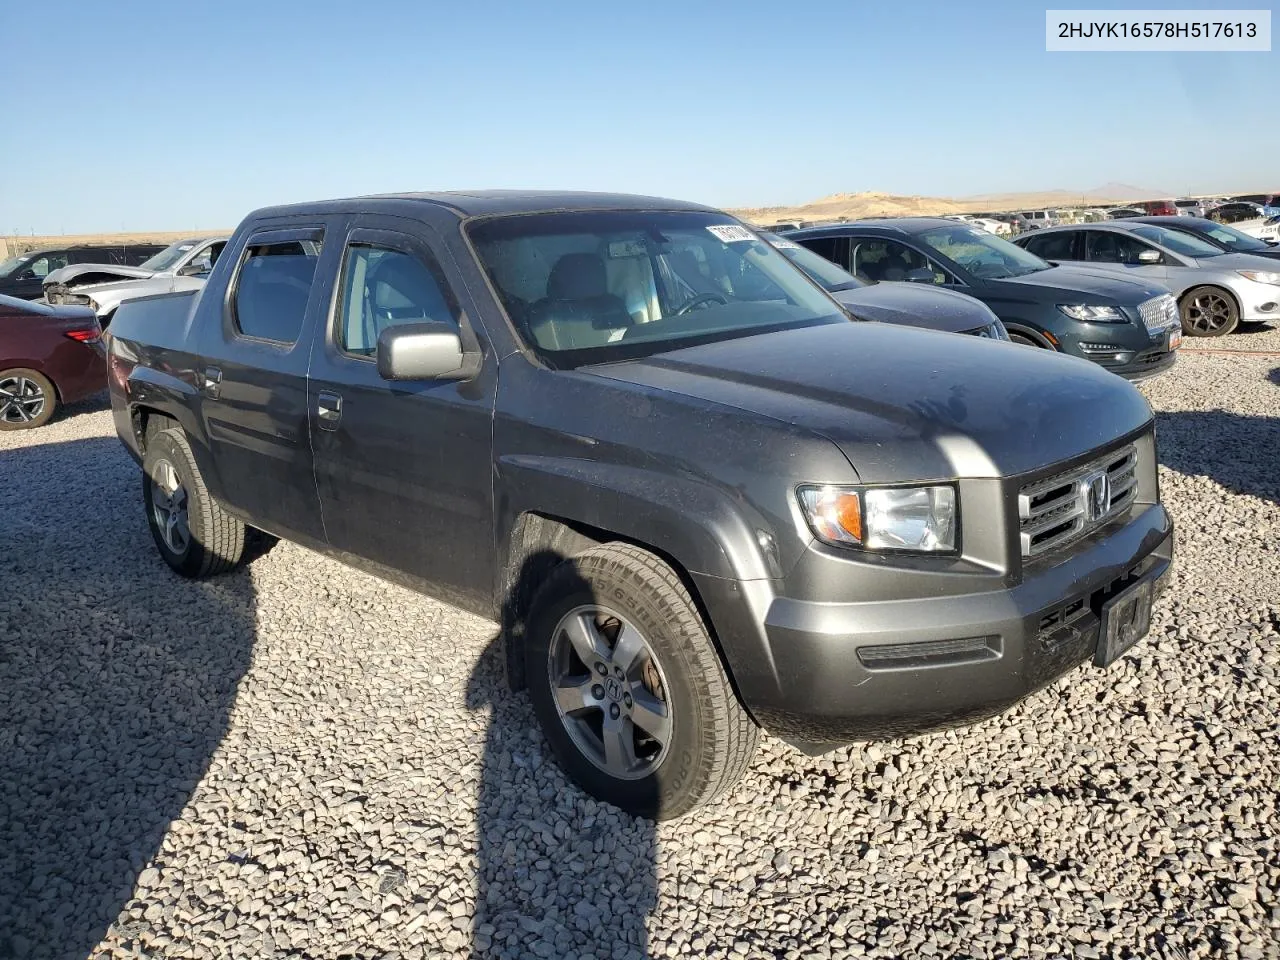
[699, 497]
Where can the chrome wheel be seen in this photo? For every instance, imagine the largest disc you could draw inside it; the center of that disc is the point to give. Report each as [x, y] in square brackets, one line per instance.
[169, 507]
[21, 399]
[610, 692]
[1209, 312]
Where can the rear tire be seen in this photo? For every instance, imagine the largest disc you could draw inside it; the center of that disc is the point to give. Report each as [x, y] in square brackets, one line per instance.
[1208, 312]
[656, 728]
[28, 399]
[193, 533]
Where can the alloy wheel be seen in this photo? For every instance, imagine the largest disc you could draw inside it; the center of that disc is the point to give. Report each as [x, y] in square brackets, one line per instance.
[169, 507]
[21, 399]
[1209, 312]
[610, 692]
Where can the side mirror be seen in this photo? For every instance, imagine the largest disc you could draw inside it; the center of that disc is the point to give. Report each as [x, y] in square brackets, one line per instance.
[919, 275]
[422, 351]
[1149, 256]
[28, 275]
[194, 269]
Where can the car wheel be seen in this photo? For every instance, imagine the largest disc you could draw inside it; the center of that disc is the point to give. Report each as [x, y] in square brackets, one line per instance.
[27, 399]
[194, 535]
[629, 688]
[1209, 312]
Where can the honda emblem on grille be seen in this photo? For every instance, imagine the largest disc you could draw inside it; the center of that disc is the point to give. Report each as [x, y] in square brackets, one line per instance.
[1096, 487]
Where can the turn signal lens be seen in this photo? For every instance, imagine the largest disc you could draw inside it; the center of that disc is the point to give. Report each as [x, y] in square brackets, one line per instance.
[834, 514]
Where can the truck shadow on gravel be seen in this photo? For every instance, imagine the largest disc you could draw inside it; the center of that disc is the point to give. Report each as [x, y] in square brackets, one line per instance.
[558, 873]
[1236, 451]
[111, 705]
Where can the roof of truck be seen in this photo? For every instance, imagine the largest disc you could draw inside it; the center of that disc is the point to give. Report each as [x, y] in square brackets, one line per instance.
[474, 203]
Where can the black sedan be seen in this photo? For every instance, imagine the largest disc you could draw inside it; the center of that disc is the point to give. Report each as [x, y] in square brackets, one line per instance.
[1130, 327]
[929, 307]
[1221, 235]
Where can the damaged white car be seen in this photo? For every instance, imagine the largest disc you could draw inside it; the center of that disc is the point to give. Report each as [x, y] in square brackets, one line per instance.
[104, 286]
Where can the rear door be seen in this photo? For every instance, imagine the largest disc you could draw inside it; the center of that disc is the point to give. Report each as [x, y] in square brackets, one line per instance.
[404, 469]
[255, 377]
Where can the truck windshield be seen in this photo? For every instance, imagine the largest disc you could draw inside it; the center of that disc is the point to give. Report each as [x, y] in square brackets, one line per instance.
[983, 254]
[599, 286]
[169, 256]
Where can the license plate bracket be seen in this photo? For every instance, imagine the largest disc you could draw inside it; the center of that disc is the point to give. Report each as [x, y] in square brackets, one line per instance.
[1124, 620]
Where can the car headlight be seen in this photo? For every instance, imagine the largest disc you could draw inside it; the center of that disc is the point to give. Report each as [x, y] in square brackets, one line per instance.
[922, 519]
[1260, 276]
[1093, 314]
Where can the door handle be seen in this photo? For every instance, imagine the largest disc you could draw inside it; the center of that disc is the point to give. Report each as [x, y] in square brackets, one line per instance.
[329, 410]
[212, 381]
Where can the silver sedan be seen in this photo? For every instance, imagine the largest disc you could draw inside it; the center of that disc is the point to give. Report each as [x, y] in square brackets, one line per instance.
[1215, 289]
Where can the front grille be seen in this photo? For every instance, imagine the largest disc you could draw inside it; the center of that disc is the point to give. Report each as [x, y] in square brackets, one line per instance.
[1159, 312]
[1059, 509]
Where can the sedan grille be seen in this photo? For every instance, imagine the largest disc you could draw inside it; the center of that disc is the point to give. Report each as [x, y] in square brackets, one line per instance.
[1057, 510]
[1159, 312]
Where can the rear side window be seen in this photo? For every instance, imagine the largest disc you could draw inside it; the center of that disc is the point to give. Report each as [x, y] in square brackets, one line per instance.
[1054, 246]
[273, 288]
[382, 288]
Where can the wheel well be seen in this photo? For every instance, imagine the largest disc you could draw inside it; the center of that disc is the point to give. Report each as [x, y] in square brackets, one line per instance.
[538, 544]
[1033, 335]
[148, 422]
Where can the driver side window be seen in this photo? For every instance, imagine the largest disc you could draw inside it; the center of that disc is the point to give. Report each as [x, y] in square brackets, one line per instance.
[383, 288]
[41, 267]
[888, 261]
[1105, 247]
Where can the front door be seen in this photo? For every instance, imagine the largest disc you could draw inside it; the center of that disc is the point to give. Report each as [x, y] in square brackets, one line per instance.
[404, 469]
[254, 379]
[1119, 253]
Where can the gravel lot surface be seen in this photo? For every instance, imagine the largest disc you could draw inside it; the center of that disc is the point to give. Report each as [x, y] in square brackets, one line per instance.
[300, 760]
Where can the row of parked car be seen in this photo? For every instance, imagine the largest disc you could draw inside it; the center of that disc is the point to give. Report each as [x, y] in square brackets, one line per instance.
[1119, 293]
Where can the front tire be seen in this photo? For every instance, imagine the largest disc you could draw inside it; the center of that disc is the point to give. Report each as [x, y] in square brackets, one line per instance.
[629, 688]
[28, 399]
[1208, 312]
[194, 535]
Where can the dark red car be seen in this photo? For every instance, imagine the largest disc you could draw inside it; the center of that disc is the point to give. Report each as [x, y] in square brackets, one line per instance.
[48, 356]
[1159, 208]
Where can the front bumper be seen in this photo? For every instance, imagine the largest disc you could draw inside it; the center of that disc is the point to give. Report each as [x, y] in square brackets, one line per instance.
[853, 671]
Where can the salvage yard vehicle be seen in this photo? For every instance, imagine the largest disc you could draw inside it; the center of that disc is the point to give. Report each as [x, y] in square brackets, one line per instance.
[915, 306]
[49, 356]
[701, 501]
[1215, 289]
[23, 275]
[1129, 327]
[103, 287]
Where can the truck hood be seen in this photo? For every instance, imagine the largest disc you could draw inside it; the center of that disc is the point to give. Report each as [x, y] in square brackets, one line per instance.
[1078, 281]
[917, 306]
[907, 404]
[78, 274]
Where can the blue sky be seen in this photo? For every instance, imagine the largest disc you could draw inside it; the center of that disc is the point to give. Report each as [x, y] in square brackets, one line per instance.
[175, 116]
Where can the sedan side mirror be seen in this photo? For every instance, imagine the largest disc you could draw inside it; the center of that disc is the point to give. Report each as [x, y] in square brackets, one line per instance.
[28, 275]
[1149, 256]
[194, 269]
[422, 351]
[919, 275]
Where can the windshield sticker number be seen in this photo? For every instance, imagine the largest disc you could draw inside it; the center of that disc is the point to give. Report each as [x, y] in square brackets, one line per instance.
[730, 233]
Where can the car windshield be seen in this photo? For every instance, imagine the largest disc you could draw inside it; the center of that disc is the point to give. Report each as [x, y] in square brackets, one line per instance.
[821, 270]
[600, 286]
[13, 263]
[1177, 241]
[169, 256]
[983, 254]
[1233, 239]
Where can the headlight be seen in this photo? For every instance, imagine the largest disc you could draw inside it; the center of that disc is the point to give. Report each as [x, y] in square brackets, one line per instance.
[1260, 276]
[1092, 314]
[886, 518]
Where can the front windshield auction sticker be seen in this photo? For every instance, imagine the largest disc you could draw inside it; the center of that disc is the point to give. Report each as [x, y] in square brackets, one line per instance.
[1152, 31]
[730, 233]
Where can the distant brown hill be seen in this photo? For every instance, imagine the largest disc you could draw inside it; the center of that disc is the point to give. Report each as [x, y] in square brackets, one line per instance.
[855, 205]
